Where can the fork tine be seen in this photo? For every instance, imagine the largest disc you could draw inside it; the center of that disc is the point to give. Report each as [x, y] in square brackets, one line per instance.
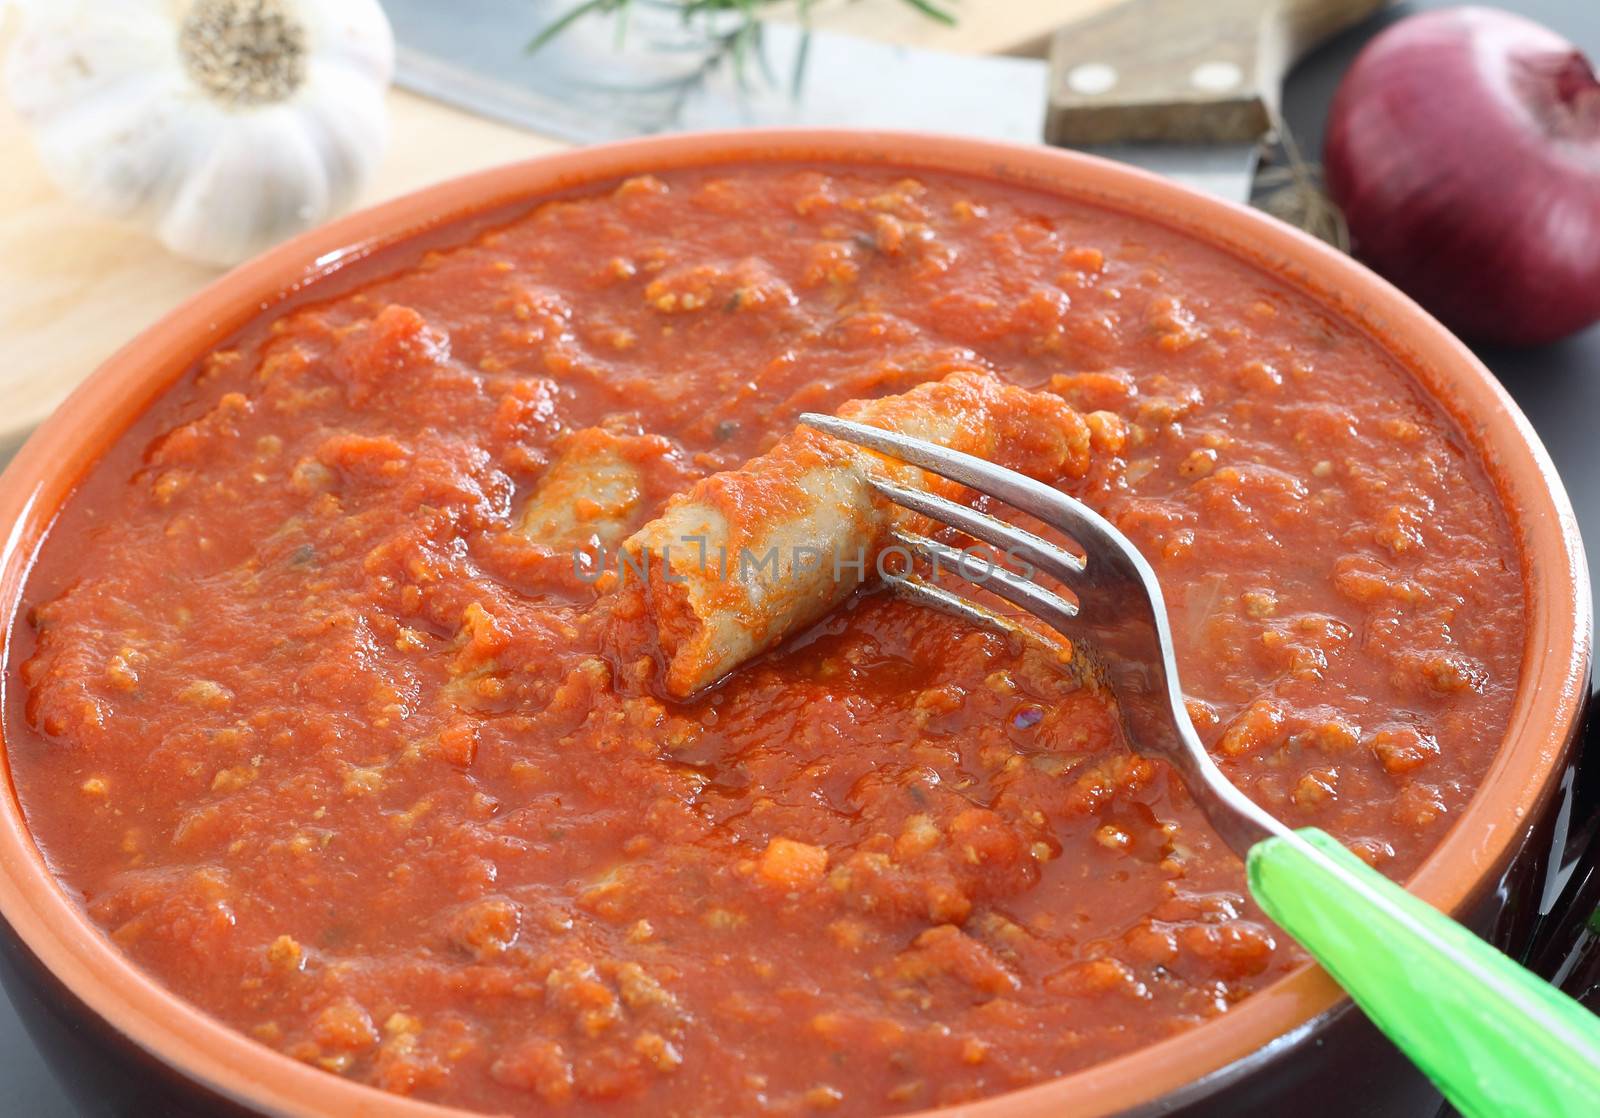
[1019, 542]
[1046, 605]
[914, 588]
[919, 590]
[1032, 497]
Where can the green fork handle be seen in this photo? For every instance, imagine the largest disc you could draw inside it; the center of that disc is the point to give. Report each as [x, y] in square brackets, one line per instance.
[1498, 1040]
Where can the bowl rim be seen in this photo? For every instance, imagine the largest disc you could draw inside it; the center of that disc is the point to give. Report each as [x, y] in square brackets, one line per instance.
[1520, 780]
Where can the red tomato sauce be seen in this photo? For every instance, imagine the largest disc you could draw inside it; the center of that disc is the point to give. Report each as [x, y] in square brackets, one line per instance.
[330, 750]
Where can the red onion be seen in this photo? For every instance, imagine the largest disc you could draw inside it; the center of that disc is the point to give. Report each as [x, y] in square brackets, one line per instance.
[1464, 149]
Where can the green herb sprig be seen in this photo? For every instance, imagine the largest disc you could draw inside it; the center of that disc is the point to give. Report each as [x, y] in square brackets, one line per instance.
[737, 44]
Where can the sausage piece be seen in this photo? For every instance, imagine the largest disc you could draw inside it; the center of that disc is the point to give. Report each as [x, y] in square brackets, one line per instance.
[748, 556]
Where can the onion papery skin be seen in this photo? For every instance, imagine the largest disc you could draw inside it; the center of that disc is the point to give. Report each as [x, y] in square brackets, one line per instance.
[1464, 148]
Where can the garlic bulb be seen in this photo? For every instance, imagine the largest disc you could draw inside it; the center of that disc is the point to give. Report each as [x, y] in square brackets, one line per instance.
[223, 126]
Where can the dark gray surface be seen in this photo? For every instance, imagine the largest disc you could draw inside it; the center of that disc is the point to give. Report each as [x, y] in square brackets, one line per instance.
[1558, 386]
[27, 1089]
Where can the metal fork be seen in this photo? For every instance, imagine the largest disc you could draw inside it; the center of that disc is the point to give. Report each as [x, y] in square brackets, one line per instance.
[1120, 613]
[1495, 1038]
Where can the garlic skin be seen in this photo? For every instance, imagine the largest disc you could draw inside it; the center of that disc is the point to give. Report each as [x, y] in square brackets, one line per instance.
[223, 126]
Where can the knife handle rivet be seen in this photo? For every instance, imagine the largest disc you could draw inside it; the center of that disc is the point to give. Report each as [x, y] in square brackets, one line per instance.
[1216, 77]
[1091, 78]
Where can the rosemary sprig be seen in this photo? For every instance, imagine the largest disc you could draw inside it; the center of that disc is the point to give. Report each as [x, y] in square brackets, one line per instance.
[571, 16]
[736, 44]
[932, 11]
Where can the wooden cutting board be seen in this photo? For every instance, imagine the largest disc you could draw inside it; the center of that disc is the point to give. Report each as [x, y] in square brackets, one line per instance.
[73, 287]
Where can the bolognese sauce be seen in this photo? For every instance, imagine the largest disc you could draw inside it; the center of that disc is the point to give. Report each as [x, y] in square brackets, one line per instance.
[332, 730]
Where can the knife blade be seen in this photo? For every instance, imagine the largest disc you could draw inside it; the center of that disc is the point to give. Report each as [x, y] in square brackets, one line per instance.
[594, 82]
[647, 71]
[1226, 170]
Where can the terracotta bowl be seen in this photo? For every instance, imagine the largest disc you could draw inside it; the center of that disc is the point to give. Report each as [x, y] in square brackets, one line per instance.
[154, 1053]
